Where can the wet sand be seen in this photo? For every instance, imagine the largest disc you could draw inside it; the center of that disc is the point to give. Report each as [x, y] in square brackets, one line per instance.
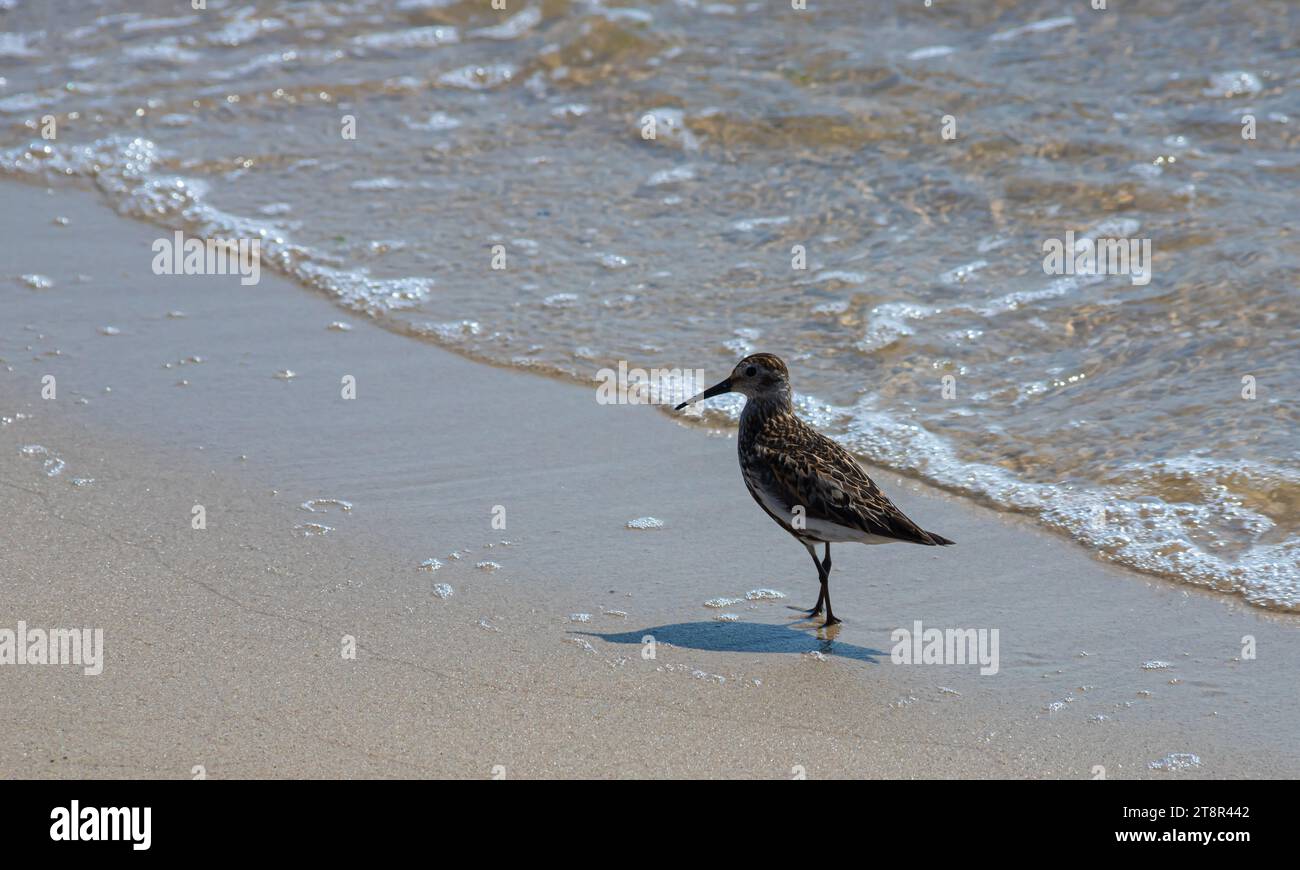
[223, 645]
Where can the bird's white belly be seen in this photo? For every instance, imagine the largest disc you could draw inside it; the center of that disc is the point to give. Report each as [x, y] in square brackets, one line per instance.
[815, 527]
[825, 530]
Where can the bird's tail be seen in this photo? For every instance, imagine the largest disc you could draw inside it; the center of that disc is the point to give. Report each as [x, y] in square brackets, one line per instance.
[938, 540]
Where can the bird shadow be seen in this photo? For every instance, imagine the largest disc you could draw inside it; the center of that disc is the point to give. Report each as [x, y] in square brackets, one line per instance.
[742, 637]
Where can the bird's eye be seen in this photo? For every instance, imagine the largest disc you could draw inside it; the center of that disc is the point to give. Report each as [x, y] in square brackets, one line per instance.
[750, 372]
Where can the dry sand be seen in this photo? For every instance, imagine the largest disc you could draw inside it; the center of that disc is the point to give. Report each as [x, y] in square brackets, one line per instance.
[223, 645]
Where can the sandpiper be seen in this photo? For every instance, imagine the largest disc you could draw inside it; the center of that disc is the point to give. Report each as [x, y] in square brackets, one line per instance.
[810, 485]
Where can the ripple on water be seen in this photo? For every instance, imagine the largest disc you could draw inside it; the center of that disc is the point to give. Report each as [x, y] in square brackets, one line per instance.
[323, 505]
[669, 126]
[961, 274]
[410, 38]
[930, 51]
[1217, 527]
[1046, 24]
[384, 183]
[513, 27]
[1235, 83]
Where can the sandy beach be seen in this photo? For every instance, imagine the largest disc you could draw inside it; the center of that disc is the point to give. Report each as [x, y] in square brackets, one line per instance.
[225, 647]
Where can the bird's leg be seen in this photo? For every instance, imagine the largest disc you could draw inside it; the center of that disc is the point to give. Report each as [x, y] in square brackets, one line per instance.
[821, 575]
[831, 619]
[825, 568]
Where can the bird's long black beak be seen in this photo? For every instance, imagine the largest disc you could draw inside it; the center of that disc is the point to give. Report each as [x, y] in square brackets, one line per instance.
[716, 390]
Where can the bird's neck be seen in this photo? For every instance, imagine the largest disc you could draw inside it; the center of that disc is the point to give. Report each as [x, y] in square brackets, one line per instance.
[761, 409]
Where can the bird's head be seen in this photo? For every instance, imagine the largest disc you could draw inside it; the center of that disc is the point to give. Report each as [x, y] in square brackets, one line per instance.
[759, 376]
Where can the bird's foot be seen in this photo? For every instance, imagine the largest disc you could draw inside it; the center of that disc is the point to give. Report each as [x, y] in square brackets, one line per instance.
[831, 620]
[812, 611]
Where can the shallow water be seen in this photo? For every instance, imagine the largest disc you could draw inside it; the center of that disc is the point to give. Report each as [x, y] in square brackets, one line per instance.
[1110, 409]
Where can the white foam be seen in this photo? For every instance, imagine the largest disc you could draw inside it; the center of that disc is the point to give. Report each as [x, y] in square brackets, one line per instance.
[890, 322]
[479, 78]
[37, 282]
[20, 44]
[722, 602]
[398, 40]
[669, 128]
[322, 505]
[1176, 761]
[1235, 83]
[645, 523]
[676, 175]
[124, 168]
[1140, 532]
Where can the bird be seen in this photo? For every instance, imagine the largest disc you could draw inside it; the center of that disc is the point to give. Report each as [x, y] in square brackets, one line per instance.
[810, 485]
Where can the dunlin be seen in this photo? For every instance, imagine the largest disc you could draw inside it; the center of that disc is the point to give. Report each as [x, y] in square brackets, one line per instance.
[810, 485]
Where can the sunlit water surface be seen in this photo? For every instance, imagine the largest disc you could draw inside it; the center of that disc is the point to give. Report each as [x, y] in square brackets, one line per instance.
[1111, 410]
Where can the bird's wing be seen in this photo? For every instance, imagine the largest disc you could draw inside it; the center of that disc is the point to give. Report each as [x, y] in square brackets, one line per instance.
[802, 467]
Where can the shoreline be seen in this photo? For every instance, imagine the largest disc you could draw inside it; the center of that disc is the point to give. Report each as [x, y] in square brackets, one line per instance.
[973, 479]
[223, 645]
